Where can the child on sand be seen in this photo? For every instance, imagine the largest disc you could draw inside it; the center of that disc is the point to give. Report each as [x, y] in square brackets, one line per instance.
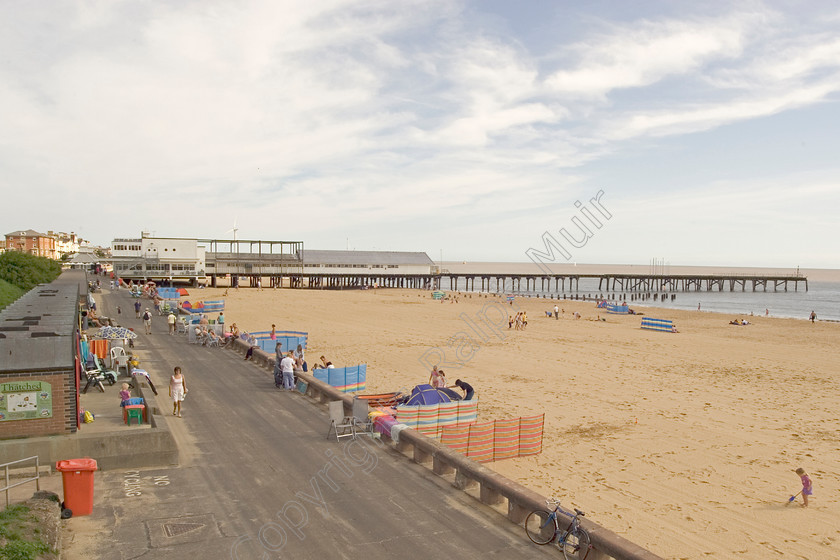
[806, 485]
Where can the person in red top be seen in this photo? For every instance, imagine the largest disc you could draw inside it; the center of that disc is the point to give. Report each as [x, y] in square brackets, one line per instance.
[806, 485]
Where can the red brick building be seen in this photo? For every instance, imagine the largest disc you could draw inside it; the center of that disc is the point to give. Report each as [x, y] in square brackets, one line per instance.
[32, 242]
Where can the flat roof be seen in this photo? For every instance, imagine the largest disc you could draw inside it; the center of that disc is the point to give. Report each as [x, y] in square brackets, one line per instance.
[311, 256]
[37, 331]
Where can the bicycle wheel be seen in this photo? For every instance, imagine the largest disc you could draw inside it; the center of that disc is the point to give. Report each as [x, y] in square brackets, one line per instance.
[540, 526]
[576, 545]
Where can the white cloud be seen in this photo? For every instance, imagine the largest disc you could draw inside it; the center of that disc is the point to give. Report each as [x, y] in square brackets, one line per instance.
[366, 114]
[641, 53]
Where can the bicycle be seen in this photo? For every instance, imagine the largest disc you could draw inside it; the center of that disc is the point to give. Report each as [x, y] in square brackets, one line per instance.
[543, 527]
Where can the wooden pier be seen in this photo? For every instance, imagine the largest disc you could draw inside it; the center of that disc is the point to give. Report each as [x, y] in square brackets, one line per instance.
[524, 283]
[697, 283]
[643, 283]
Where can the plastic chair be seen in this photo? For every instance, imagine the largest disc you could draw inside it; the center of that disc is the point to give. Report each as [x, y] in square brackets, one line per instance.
[340, 422]
[116, 352]
[134, 411]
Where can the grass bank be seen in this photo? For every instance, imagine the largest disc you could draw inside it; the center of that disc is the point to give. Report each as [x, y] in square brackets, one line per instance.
[9, 293]
[21, 536]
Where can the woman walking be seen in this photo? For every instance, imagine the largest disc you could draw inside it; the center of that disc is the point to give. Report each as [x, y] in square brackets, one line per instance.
[177, 390]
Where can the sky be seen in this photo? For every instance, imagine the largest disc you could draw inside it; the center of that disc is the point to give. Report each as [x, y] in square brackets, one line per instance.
[708, 132]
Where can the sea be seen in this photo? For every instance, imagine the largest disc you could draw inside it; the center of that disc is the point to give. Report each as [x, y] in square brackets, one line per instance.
[822, 296]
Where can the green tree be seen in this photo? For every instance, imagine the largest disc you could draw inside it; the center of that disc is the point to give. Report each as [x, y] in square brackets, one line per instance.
[27, 271]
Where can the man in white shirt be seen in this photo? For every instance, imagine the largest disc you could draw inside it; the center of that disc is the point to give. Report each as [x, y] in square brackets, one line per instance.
[287, 368]
[171, 320]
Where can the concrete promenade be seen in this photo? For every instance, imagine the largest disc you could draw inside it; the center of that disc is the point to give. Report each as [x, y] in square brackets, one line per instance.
[258, 479]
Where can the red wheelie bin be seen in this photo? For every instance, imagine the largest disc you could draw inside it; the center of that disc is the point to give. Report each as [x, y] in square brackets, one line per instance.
[77, 479]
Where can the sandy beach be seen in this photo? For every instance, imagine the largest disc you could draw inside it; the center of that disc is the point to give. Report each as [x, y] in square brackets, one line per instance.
[684, 443]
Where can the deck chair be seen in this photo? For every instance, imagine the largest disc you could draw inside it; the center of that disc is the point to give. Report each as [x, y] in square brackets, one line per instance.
[212, 341]
[182, 326]
[361, 419]
[109, 374]
[93, 377]
[339, 423]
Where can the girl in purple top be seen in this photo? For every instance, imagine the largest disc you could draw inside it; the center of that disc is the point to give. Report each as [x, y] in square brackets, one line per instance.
[125, 394]
[806, 485]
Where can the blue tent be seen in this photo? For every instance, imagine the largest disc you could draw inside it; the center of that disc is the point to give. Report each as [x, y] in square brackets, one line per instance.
[426, 394]
[453, 396]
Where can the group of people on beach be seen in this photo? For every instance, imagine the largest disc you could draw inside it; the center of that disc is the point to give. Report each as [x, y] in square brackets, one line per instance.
[519, 321]
[437, 379]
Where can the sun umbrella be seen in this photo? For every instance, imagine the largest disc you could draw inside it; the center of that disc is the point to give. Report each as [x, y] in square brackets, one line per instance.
[183, 291]
[115, 333]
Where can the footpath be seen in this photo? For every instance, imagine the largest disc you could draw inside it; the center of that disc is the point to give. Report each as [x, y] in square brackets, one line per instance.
[258, 479]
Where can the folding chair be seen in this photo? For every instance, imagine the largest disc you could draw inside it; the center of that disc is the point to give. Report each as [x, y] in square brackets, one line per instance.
[182, 326]
[340, 422]
[109, 374]
[212, 341]
[93, 378]
[361, 418]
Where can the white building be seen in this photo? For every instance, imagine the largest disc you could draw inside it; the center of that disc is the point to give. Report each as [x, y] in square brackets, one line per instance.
[186, 259]
[378, 263]
[158, 258]
[66, 243]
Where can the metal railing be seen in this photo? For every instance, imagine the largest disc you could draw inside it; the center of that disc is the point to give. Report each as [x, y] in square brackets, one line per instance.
[36, 478]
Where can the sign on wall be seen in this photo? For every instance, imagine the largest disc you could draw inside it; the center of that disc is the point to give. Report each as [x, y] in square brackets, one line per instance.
[25, 400]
